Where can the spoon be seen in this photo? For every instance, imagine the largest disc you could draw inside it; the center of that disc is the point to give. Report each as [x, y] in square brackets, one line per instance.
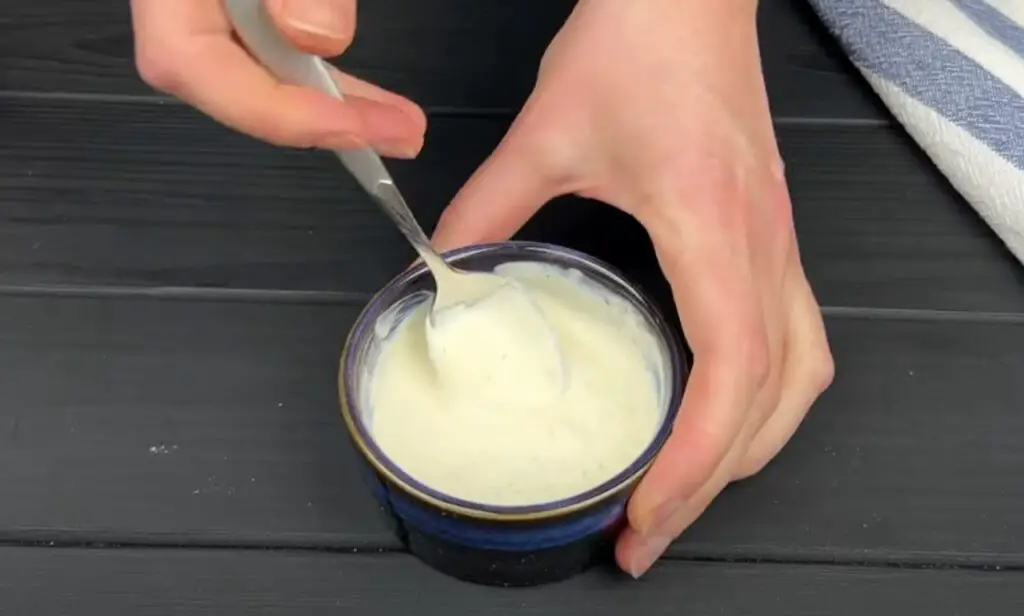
[454, 287]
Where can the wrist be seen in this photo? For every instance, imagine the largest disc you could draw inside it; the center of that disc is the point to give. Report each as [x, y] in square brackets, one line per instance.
[714, 9]
[715, 20]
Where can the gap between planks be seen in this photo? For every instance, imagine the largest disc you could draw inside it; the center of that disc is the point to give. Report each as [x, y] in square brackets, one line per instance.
[103, 540]
[283, 296]
[437, 111]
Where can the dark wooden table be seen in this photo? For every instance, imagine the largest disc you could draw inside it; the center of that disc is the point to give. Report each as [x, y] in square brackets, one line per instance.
[173, 297]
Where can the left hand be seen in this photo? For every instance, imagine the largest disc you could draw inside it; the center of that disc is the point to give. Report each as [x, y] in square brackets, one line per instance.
[187, 48]
[658, 108]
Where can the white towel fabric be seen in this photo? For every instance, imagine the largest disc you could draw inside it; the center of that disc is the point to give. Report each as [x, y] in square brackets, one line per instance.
[952, 72]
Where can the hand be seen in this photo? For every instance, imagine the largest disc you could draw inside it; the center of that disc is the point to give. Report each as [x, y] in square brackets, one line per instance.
[659, 108]
[186, 48]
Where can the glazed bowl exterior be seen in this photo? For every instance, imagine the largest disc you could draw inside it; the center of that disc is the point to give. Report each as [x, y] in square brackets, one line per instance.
[500, 545]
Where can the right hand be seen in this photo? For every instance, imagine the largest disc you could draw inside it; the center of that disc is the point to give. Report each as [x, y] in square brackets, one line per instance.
[186, 48]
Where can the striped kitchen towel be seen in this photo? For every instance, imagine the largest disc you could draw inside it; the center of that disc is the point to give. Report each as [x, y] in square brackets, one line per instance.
[952, 72]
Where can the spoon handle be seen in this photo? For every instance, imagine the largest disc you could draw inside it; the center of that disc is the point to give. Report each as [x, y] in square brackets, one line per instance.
[290, 65]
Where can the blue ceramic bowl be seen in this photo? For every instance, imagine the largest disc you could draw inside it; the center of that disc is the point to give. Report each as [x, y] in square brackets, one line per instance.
[500, 545]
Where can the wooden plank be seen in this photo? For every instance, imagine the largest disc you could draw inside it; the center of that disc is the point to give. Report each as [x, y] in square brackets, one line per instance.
[155, 196]
[452, 53]
[215, 423]
[807, 73]
[910, 451]
[46, 582]
[178, 418]
[879, 226]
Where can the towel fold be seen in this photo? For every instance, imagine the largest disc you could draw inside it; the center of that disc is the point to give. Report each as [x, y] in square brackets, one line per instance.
[952, 73]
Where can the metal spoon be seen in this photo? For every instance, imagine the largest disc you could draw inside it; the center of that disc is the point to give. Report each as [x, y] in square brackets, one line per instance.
[455, 287]
[261, 37]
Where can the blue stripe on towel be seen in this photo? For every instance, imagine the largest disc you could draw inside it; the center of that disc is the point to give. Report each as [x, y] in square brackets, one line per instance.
[991, 20]
[927, 68]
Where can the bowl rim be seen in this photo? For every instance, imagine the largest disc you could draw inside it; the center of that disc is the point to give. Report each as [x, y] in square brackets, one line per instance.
[622, 480]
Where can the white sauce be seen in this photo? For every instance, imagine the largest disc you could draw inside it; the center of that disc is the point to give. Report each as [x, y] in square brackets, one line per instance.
[484, 414]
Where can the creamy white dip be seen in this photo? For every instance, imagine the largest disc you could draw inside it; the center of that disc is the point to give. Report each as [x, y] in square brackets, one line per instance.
[483, 413]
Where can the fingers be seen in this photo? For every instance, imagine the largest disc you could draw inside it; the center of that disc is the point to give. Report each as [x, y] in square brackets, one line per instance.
[807, 373]
[725, 325]
[636, 552]
[691, 469]
[712, 414]
[497, 200]
[321, 27]
[398, 135]
[185, 48]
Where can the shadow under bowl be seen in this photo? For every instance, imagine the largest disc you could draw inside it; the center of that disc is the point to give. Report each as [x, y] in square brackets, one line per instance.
[487, 544]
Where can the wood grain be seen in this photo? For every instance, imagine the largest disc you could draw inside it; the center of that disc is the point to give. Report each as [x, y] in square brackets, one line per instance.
[142, 195]
[216, 423]
[445, 54]
[198, 582]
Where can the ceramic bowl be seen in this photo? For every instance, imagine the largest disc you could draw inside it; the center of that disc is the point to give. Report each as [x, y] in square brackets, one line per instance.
[500, 545]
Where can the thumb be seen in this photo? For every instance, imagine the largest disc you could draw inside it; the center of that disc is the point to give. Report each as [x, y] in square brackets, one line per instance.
[497, 200]
[321, 27]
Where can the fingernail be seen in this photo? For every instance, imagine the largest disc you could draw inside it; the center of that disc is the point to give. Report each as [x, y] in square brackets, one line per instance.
[396, 149]
[315, 17]
[661, 516]
[646, 555]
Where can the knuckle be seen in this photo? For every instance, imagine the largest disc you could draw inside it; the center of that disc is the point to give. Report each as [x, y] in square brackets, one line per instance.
[550, 161]
[750, 465]
[815, 368]
[822, 369]
[159, 71]
[549, 151]
[553, 155]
